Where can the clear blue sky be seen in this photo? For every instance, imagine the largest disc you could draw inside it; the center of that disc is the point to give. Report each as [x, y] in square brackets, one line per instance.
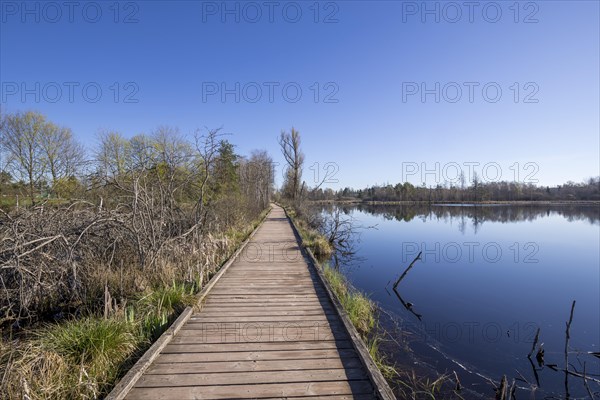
[371, 57]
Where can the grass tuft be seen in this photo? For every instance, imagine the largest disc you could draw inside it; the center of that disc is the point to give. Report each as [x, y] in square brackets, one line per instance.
[92, 341]
[74, 359]
[359, 307]
[156, 308]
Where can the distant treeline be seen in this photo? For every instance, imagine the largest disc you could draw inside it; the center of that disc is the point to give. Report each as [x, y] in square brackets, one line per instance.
[474, 216]
[475, 192]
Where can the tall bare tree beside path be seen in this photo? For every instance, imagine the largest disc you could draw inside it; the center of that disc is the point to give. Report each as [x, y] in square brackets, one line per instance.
[294, 158]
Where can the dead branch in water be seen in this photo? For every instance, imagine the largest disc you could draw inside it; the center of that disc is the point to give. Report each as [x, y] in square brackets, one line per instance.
[585, 383]
[418, 257]
[535, 373]
[535, 341]
[501, 390]
[554, 367]
[458, 385]
[408, 306]
[567, 337]
[512, 390]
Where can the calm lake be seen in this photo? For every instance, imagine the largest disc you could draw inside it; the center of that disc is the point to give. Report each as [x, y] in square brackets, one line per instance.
[488, 278]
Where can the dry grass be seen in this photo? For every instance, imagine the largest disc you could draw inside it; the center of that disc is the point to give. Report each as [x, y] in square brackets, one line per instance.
[83, 357]
[76, 359]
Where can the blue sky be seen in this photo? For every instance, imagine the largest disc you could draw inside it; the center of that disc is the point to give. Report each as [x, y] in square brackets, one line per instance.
[369, 60]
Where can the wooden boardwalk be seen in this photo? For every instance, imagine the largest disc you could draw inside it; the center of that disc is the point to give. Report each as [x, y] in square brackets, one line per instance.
[267, 329]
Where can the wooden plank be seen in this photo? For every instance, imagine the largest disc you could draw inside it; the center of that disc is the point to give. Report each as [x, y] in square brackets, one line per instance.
[262, 365]
[255, 355]
[262, 319]
[208, 308]
[258, 391]
[263, 313]
[228, 304]
[266, 308]
[355, 396]
[193, 346]
[198, 322]
[265, 335]
[266, 297]
[307, 305]
[250, 378]
[270, 291]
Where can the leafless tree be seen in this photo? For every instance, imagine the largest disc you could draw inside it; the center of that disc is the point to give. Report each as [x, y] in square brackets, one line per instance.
[343, 234]
[294, 158]
[21, 141]
[257, 178]
[63, 154]
[112, 154]
[207, 146]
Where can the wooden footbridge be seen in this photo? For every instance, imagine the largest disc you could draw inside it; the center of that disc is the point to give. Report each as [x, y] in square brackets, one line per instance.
[269, 327]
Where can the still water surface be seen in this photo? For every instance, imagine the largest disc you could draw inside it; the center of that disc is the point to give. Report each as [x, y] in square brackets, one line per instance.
[488, 278]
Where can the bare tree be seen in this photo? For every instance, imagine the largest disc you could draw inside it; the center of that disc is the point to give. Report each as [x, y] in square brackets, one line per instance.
[256, 178]
[113, 154]
[21, 140]
[294, 158]
[142, 152]
[207, 147]
[63, 154]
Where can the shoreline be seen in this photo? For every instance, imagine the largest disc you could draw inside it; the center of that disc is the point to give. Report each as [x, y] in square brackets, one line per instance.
[464, 203]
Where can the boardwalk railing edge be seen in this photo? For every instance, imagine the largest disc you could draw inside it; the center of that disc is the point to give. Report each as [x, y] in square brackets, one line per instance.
[123, 387]
[381, 386]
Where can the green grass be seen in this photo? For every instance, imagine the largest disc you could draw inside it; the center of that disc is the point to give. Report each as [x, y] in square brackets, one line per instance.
[93, 341]
[359, 307]
[320, 247]
[156, 308]
[389, 371]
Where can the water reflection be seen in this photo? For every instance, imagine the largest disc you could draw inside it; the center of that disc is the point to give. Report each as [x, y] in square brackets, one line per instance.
[408, 306]
[476, 214]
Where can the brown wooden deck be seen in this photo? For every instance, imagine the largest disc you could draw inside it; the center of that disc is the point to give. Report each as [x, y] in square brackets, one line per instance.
[267, 329]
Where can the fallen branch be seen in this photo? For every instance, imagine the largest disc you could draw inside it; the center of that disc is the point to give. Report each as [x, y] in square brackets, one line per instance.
[458, 385]
[567, 337]
[418, 257]
[501, 390]
[535, 341]
[512, 390]
[554, 367]
[535, 374]
[408, 306]
[585, 383]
